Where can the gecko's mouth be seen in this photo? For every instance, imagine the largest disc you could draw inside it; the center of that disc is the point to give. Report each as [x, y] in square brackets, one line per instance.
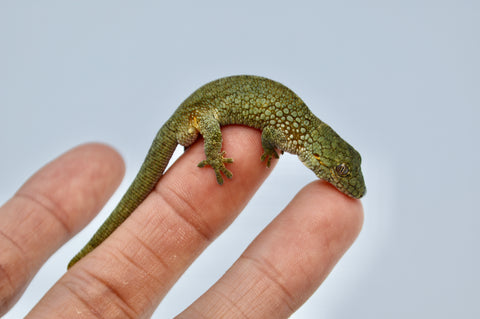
[352, 189]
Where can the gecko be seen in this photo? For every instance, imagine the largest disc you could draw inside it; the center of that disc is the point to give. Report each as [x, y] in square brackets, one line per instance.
[286, 124]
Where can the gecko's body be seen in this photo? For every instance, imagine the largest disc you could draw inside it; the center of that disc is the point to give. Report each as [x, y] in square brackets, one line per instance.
[286, 123]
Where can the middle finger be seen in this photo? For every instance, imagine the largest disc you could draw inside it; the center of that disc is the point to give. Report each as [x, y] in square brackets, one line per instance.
[135, 267]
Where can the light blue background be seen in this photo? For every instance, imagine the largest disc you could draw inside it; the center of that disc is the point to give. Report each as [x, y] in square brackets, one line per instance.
[398, 79]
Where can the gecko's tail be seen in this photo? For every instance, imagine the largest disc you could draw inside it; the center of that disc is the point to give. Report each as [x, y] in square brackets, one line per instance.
[151, 171]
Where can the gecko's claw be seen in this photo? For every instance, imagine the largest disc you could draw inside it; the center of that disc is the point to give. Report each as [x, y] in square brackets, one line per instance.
[268, 155]
[218, 165]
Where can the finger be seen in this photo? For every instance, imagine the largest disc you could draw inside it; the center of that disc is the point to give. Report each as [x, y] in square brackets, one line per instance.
[288, 261]
[48, 209]
[134, 268]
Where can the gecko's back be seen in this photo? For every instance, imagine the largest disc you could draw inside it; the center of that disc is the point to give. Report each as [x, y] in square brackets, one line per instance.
[249, 100]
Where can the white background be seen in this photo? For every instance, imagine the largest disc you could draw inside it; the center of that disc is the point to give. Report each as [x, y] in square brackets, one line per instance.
[399, 80]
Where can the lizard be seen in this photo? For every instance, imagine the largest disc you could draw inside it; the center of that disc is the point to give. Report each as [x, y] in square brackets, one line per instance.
[286, 124]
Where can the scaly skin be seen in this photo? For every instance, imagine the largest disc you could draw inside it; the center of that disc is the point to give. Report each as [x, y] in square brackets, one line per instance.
[286, 123]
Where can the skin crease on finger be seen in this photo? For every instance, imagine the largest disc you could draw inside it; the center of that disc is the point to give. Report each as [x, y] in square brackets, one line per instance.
[49, 208]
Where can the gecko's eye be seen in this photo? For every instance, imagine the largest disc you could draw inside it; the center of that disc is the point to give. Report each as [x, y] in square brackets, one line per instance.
[342, 169]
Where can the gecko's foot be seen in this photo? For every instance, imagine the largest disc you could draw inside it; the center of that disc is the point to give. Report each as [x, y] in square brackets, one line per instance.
[268, 155]
[218, 165]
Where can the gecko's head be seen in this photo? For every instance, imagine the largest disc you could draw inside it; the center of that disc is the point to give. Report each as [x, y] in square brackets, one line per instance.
[334, 160]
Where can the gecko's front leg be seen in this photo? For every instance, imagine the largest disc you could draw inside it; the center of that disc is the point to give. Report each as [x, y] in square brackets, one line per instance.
[209, 127]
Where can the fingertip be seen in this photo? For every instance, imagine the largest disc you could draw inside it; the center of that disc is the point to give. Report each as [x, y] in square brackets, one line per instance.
[49, 208]
[104, 153]
[77, 183]
[103, 169]
[346, 213]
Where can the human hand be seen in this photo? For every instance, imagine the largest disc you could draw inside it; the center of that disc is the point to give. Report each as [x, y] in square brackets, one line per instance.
[130, 273]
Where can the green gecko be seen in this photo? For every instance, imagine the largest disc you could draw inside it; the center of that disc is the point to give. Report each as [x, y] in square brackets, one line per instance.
[286, 123]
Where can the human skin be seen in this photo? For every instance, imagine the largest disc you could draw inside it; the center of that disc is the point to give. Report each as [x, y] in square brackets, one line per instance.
[130, 273]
